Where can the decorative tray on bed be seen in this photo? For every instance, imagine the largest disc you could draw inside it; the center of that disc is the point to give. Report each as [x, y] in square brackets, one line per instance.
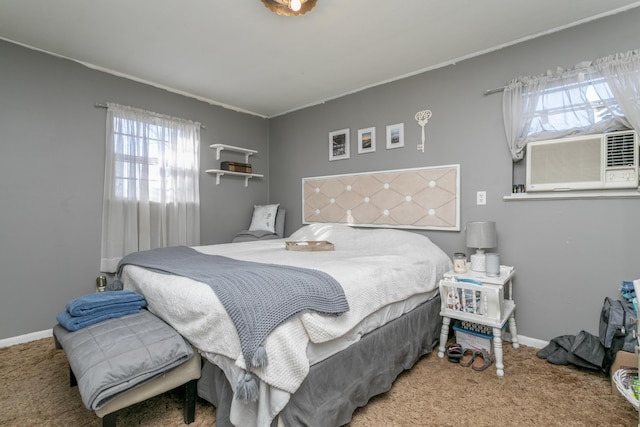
[310, 245]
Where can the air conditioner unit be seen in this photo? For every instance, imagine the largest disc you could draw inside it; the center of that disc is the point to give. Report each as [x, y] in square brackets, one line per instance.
[591, 162]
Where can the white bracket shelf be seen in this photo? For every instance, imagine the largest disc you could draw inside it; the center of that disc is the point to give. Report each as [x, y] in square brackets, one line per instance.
[247, 176]
[219, 147]
[581, 194]
[220, 172]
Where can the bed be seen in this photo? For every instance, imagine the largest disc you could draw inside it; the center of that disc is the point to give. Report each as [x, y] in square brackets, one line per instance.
[321, 368]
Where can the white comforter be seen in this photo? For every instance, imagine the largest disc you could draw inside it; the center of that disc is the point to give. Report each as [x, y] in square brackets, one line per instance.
[376, 267]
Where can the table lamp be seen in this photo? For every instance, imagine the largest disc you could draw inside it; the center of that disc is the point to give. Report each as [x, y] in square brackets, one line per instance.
[480, 235]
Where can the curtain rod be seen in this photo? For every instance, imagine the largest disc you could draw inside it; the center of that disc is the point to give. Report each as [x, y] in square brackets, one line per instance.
[492, 91]
[105, 106]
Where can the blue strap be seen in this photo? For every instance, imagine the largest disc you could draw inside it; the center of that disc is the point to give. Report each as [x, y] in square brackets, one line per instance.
[464, 279]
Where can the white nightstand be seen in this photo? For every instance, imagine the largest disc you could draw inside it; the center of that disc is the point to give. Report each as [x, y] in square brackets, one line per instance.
[491, 304]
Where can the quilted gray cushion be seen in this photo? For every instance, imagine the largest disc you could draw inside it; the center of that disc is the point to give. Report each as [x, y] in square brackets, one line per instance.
[113, 356]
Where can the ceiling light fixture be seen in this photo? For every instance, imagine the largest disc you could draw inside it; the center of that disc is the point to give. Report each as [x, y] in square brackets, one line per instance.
[290, 7]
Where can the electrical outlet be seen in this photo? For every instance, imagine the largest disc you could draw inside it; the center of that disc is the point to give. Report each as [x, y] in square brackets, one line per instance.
[481, 198]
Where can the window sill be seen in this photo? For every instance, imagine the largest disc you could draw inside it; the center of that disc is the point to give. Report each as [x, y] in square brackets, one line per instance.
[565, 195]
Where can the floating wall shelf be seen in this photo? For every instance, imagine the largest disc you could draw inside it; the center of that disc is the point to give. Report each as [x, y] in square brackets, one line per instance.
[220, 147]
[220, 172]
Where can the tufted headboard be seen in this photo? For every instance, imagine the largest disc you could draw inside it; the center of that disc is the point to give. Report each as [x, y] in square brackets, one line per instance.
[422, 198]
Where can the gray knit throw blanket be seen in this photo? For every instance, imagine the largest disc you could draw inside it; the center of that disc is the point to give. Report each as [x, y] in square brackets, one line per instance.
[258, 297]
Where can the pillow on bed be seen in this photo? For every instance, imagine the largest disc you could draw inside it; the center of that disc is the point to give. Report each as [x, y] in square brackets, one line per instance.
[264, 218]
[332, 232]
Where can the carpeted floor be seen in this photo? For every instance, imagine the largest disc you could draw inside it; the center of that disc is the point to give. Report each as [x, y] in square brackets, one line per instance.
[35, 392]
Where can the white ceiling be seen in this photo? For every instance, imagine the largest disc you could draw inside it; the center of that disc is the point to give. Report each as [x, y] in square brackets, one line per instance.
[238, 54]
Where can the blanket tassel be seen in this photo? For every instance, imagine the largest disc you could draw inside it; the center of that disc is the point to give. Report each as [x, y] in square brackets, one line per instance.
[260, 359]
[247, 388]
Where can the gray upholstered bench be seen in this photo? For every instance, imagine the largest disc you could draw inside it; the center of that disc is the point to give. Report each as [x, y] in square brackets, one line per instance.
[124, 361]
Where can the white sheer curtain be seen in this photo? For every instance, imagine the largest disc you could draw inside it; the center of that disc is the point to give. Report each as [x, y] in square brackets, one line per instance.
[151, 183]
[622, 72]
[588, 98]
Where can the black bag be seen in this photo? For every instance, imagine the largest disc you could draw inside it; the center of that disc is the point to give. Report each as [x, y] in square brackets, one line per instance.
[583, 350]
[587, 349]
[617, 324]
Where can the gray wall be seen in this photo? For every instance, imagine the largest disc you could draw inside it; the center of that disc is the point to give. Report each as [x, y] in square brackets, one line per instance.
[51, 178]
[569, 254]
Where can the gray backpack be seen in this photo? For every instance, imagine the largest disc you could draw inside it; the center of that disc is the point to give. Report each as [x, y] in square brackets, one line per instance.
[617, 319]
[617, 323]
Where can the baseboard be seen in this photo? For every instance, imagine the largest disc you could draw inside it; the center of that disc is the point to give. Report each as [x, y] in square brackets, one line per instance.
[34, 336]
[529, 342]
[532, 342]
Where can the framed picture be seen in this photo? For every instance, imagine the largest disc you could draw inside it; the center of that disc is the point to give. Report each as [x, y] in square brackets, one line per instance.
[339, 145]
[366, 140]
[395, 136]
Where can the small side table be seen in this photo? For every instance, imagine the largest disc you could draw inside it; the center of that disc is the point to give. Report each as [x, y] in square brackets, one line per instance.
[491, 305]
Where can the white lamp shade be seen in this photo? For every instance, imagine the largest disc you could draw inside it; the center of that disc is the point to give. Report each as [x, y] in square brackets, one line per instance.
[481, 234]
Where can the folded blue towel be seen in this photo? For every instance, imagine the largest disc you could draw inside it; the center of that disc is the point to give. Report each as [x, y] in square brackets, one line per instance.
[101, 302]
[73, 323]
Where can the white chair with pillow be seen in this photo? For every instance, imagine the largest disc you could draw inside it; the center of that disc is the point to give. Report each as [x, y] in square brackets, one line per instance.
[267, 222]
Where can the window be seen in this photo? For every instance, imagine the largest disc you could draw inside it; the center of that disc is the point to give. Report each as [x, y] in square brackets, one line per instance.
[583, 105]
[151, 188]
[593, 97]
[141, 161]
